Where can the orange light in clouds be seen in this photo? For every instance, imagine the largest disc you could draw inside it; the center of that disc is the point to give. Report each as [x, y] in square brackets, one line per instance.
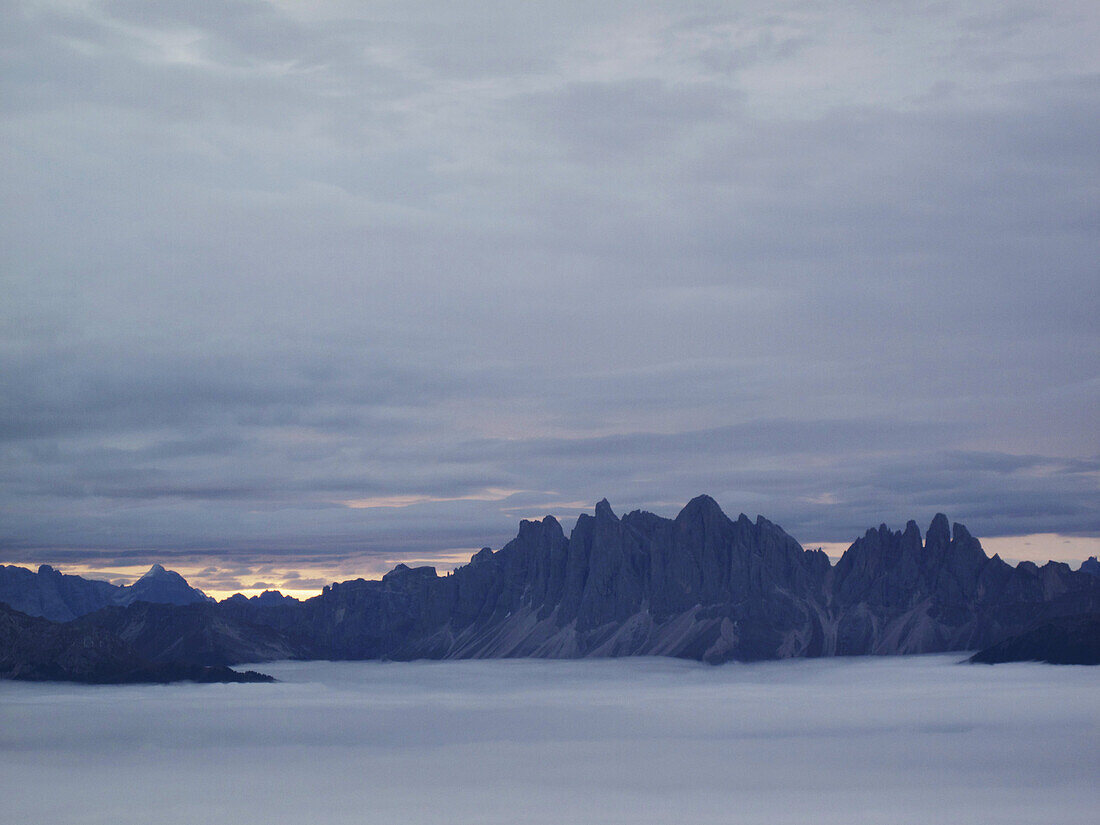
[488, 494]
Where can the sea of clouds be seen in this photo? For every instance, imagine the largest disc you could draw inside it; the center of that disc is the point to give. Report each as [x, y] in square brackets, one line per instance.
[874, 740]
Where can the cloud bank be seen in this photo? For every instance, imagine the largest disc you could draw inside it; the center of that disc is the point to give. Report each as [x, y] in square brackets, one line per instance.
[263, 262]
[640, 741]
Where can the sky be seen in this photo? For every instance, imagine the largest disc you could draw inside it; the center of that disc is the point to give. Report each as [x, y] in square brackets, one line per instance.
[312, 288]
[647, 741]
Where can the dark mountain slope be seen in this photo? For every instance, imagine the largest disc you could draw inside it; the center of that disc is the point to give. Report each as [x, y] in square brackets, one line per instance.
[1067, 640]
[195, 634]
[36, 649]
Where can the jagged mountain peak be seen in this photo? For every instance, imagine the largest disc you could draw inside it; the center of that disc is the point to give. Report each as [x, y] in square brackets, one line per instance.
[404, 572]
[604, 511]
[482, 555]
[702, 503]
[960, 533]
[158, 570]
[161, 586]
[939, 531]
[703, 509]
[549, 526]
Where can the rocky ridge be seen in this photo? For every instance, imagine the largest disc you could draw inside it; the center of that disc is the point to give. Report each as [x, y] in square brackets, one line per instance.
[700, 586]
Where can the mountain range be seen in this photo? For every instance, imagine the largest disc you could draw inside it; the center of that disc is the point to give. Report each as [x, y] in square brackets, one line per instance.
[60, 597]
[700, 586]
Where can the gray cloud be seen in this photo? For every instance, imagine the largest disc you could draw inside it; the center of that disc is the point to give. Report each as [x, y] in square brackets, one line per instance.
[828, 263]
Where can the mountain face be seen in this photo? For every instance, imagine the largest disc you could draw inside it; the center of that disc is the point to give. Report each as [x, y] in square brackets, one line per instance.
[51, 594]
[891, 593]
[193, 634]
[700, 586]
[61, 598]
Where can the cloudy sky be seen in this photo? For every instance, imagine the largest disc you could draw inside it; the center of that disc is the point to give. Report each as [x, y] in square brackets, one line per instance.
[321, 286]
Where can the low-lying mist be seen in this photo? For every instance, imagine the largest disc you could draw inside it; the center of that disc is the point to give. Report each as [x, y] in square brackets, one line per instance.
[899, 740]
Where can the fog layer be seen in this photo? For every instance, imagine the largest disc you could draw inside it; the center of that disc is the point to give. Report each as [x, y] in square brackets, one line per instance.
[901, 740]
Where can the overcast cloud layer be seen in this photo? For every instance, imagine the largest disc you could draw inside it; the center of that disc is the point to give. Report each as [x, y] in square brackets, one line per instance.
[332, 278]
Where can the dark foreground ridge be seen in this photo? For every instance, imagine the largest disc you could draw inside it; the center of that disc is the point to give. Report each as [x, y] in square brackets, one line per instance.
[1066, 640]
[700, 586]
[34, 649]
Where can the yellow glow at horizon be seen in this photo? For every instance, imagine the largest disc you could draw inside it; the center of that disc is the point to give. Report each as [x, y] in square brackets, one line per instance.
[273, 574]
[220, 595]
[1037, 547]
[1043, 547]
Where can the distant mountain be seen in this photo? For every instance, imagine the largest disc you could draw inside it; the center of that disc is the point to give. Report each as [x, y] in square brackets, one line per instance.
[36, 649]
[161, 587]
[699, 586]
[1066, 640]
[1091, 566]
[268, 597]
[51, 594]
[61, 598]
